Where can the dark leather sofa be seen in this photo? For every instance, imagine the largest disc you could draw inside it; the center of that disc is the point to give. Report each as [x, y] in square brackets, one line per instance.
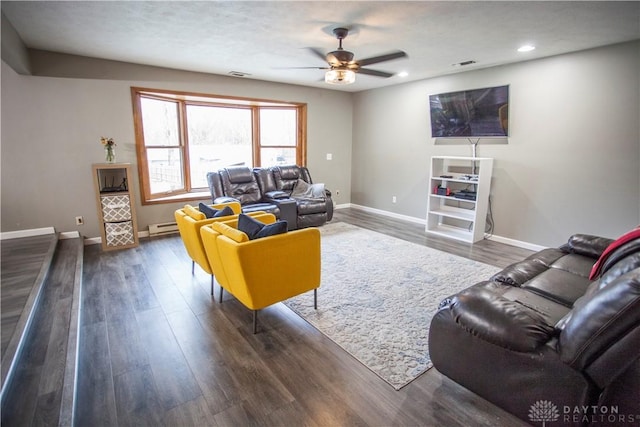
[547, 343]
[270, 190]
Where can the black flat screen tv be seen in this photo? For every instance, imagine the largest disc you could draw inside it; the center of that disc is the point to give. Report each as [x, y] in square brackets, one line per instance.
[477, 113]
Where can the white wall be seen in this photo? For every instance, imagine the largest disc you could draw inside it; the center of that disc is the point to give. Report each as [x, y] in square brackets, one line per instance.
[51, 128]
[572, 162]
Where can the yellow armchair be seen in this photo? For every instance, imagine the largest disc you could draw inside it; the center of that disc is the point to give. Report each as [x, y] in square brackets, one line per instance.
[190, 220]
[263, 271]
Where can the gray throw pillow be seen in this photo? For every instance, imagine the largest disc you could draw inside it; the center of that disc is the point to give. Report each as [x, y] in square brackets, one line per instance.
[255, 229]
[210, 212]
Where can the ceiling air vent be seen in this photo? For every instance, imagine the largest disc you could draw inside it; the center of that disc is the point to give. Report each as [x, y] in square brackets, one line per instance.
[463, 63]
[238, 74]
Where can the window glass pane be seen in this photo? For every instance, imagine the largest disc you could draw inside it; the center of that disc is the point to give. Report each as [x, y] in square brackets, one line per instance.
[278, 127]
[277, 156]
[165, 169]
[160, 122]
[218, 137]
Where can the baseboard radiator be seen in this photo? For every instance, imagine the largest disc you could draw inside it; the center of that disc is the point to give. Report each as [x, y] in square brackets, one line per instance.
[163, 228]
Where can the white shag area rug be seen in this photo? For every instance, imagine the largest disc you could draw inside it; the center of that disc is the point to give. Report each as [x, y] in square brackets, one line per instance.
[378, 295]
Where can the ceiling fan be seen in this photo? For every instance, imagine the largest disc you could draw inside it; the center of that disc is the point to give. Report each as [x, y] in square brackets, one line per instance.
[342, 66]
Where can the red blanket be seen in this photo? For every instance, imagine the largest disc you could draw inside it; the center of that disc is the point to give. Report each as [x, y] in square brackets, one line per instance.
[627, 237]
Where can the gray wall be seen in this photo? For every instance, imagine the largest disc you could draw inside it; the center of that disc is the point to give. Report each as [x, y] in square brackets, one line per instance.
[51, 128]
[572, 162]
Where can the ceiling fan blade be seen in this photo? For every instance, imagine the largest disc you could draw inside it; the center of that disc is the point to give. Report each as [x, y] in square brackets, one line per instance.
[374, 72]
[333, 60]
[317, 52]
[382, 58]
[300, 68]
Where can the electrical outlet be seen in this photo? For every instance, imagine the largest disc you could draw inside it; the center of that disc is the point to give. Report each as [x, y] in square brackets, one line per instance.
[79, 220]
[393, 199]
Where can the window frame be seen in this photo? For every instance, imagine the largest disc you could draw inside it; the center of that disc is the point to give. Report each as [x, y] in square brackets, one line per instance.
[187, 193]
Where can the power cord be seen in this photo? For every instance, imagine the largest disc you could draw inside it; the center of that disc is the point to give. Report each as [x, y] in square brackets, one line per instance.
[488, 229]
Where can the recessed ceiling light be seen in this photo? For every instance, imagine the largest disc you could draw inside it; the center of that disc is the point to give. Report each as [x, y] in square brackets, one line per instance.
[403, 74]
[526, 48]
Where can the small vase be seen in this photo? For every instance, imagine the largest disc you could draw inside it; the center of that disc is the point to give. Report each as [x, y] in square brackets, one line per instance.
[110, 154]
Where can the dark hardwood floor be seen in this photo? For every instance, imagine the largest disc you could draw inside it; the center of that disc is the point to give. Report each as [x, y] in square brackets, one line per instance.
[155, 349]
[21, 264]
[40, 390]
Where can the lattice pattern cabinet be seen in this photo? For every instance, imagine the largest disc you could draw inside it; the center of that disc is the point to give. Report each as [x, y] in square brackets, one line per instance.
[459, 197]
[116, 207]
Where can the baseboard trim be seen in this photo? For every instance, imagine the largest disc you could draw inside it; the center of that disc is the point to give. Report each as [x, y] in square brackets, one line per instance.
[390, 214]
[98, 240]
[69, 235]
[92, 241]
[26, 233]
[516, 243]
[499, 239]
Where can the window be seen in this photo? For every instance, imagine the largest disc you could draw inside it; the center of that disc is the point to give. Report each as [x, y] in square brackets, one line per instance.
[182, 136]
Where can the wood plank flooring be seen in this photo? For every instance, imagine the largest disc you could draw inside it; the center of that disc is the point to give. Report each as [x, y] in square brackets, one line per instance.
[23, 268]
[155, 349]
[42, 381]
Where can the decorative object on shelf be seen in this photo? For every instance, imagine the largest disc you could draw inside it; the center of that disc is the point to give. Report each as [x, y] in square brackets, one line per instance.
[458, 205]
[109, 149]
[116, 205]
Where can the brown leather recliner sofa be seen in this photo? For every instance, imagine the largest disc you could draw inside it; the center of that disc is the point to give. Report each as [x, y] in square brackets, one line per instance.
[272, 190]
[546, 342]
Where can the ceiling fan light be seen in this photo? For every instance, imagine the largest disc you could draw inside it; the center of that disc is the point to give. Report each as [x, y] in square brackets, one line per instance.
[340, 77]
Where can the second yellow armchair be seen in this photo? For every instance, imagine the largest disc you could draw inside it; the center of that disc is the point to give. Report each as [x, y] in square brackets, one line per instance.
[263, 271]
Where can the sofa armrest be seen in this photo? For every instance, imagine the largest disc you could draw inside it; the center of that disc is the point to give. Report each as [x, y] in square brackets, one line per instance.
[587, 245]
[275, 195]
[225, 199]
[599, 320]
[498, 320]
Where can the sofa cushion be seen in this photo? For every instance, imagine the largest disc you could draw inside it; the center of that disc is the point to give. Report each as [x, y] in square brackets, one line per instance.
[519, 273]
[255, 229]
[560, 286]
[210, 212]
[289, 172]
[579, 265]
[240, 175]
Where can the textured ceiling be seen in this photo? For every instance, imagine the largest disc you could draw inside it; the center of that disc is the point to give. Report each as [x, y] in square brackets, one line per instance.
[260, 38]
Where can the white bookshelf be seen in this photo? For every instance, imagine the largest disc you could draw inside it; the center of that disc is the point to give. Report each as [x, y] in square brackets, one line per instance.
[453, 217]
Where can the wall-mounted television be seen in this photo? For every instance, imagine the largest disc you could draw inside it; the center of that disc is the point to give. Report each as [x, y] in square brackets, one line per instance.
[477, 113]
